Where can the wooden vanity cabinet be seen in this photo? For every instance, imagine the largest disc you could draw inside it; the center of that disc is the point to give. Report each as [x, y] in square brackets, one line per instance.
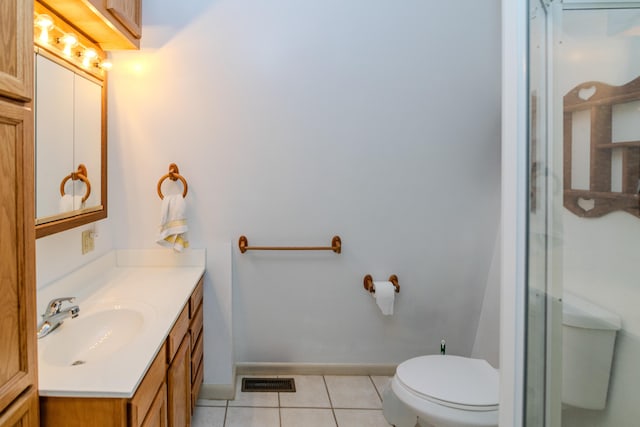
[164, 397]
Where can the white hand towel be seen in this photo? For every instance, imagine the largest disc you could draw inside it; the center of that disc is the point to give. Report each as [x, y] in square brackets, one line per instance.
[70, 203]
[78, 203]
[173, 223]
[65, 204]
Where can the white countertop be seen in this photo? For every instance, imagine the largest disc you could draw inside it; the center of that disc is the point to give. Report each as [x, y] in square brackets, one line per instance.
[156, 283]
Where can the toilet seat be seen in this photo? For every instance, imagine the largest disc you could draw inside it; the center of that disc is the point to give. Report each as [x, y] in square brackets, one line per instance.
[452, 381]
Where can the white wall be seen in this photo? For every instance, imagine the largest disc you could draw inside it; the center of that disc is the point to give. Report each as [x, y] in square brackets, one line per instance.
[59, 254]
[487, 341]
[297, 120]
[601, 255]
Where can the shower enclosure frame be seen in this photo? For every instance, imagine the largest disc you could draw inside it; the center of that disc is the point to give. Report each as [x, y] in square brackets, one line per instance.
[516, 205]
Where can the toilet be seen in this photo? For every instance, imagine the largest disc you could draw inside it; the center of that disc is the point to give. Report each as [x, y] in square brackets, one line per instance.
[455, 391]
[588, 340]
[443, 391]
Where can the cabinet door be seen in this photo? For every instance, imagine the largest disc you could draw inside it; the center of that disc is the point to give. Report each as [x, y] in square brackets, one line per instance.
[179, 386]
[16, 49]
[17, 282]
[23, 412]
[128, 12]
[157, 414]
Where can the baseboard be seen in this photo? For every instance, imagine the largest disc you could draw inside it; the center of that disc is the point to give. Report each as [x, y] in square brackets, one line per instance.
[315, 369]
[217, 391]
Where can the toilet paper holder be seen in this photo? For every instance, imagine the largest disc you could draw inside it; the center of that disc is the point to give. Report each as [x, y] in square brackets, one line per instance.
[368, 283]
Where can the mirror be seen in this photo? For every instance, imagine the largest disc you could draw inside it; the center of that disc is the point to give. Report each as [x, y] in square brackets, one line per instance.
[70, 145]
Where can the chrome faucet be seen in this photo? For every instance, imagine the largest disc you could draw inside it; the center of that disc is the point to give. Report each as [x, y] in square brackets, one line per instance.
[54, 316]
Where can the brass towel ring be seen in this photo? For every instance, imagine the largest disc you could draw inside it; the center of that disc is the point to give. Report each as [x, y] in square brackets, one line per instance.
[173, 175]
[81, 174]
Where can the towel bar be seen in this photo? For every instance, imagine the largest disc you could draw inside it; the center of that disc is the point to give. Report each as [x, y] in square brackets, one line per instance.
[173, 175]
[336, 246]
[368, 283]
[80, 174]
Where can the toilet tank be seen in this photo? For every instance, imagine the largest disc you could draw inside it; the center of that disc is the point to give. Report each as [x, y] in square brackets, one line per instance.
[588, 340]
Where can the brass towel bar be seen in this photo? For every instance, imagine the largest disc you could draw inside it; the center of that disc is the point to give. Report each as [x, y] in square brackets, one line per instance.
[368, 283]
[336, 246]
[80, 174]
[173, 175]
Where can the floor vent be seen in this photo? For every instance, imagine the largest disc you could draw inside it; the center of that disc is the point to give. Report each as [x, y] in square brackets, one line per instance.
[286, 385]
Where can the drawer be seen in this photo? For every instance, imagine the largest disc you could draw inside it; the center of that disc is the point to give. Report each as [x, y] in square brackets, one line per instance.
[196, 325]
[196, 297]
[179, 330]
[147, 390]
[196, 357]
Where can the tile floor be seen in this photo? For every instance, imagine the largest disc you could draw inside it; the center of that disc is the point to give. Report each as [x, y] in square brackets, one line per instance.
[319, 401]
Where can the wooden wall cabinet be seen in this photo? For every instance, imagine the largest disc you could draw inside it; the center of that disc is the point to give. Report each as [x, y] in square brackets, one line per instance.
[112, 24]
[16, 48]
[163, 398]
[18, 362]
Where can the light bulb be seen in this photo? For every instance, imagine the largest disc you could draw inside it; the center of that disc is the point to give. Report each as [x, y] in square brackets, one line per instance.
[106, 65]
[88, 55]
[69, 40]
[45, 22]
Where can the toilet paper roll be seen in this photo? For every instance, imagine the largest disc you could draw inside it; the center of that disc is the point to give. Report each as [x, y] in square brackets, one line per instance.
[384, 295]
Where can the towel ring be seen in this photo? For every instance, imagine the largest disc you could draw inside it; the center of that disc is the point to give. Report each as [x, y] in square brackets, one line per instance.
[80, 174]
[173, 175]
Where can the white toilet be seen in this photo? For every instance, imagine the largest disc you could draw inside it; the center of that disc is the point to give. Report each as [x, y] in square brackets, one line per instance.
[454, 391]
[443, 391]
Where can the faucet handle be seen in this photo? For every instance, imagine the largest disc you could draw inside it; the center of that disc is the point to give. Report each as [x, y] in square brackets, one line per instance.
[54, 305]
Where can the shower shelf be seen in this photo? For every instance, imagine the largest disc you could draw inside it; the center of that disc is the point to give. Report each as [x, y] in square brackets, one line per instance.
[599, 99]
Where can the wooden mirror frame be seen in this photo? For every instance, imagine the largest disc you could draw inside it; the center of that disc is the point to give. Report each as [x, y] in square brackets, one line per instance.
[74, 219]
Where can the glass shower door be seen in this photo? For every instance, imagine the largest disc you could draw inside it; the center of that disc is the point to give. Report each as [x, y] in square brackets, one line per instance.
[584, 212]
[544, 226]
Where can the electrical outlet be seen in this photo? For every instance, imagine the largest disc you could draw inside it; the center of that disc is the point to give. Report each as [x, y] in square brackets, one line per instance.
[87, 241]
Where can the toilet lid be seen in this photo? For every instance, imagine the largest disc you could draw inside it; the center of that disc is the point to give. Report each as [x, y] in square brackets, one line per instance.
[454, 381]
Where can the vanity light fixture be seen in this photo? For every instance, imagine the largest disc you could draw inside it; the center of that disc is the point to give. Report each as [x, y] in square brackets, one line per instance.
[69, 40]
[58, 38]
[45, 23]
[88, 56]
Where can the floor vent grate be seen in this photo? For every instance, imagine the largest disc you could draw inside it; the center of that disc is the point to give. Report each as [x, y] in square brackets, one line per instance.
[286, 385]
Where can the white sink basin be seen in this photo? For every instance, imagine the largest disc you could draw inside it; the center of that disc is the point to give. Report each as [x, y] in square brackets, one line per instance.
[96, 333]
